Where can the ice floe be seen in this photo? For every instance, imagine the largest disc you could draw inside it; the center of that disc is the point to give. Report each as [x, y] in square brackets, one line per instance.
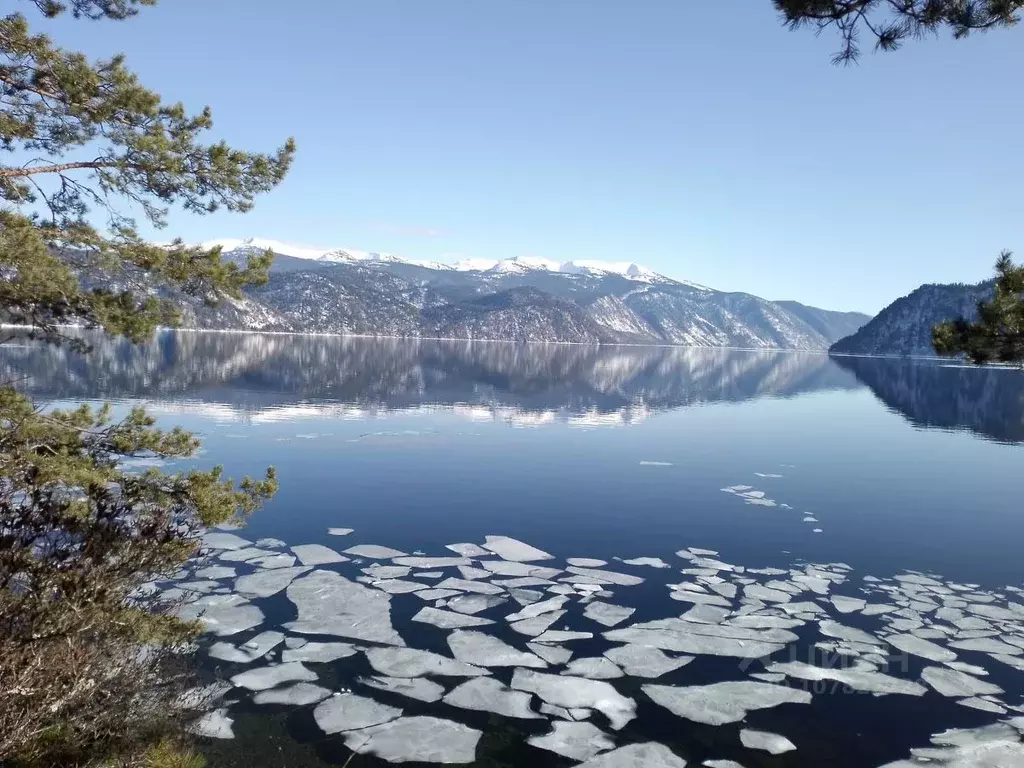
[721, 703]
[449, 619]
[648, 755]
[419, 688]
[319, 652]
[704, 639]
[561, 636]
[485, 650]
[475, 603]
[350, 712]
[550, 653]
[374, 552]
[641, 661]
[431, 562]
[653, 562]
[330, 604]
[267, 677]
[577, 692]
[537, 609]
[536, 625]
[267, 583]
[297, 695]
[249, 651]
[594, 668]
[490, 695]
[468, 550]
[339, 531]
[419, 739]
[920, 647]
[412, 662]
[577, 741]
[607, 614]
[214, 725]
[317, 554]
[606, 577]
[219, 540]
[513, 549]
[860, 677]
[467, 585]
[771, 743]
[586, 562]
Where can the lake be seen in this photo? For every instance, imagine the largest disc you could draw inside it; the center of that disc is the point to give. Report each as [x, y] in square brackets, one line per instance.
[848, 530]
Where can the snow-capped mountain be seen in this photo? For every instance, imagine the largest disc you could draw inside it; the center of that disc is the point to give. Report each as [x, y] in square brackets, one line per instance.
[514, 265]
[521, 299]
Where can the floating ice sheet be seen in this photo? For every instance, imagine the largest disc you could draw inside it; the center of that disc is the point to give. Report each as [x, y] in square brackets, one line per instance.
[247, 652]
[920, 647]
[950, 682]
[374, 552]
[607, 577]
[468, 550]
[214, 725]
[319, 652]
[607, 614]
[330, 604]
[436, 594]
[561, 636]
[432, 562]
[593, 668]
[490, 695]
[267, 677]
[641, 661]
[859, 677]
[653, 562]
[550, 653]
[418, 688]
[537, 625]
[350, 712]
[577, 692]
[710, 639]
[771, 743]
[317, 554]
[488, 651]
[417, 739]
[586, 562]
[513, 549]
[216, 572]
[339, 531]
[449, 619]
[412, 662]
[648, 755]
[475, 603]
[537, 609]
[398, 586]
[722, 703]
[521, 570]
[297, 695]
[378, 571]
[467, 585]
[219, 540]
[267, 583]
[848, 604]
[577, 741]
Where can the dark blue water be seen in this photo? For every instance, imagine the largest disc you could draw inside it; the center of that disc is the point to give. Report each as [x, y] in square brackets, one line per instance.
[599, 452]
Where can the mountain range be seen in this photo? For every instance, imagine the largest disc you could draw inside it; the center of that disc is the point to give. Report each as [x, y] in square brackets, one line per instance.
[520, 299]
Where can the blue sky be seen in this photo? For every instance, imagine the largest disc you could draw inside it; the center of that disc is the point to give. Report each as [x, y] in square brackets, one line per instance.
[701, 142]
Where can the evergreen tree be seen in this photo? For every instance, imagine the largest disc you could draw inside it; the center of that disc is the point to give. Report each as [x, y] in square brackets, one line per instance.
[89, 657]
[889, 23]
[998, 333]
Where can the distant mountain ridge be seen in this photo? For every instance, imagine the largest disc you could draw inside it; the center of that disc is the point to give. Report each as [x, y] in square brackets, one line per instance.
[905, 326]
[522, 299]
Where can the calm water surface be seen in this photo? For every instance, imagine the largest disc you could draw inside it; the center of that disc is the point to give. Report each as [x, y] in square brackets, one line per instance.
[606, 453]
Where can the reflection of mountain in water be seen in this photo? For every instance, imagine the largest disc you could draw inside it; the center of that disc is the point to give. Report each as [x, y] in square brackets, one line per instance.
[989, 401]
[251, 373]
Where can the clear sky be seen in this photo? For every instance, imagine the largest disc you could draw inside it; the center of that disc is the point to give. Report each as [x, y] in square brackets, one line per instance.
[698, 138]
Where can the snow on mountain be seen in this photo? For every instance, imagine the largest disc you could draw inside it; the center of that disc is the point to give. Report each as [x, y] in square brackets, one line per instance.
[516, 265]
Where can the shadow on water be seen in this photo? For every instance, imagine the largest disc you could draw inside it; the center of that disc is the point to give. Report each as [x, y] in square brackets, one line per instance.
[932, 394]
